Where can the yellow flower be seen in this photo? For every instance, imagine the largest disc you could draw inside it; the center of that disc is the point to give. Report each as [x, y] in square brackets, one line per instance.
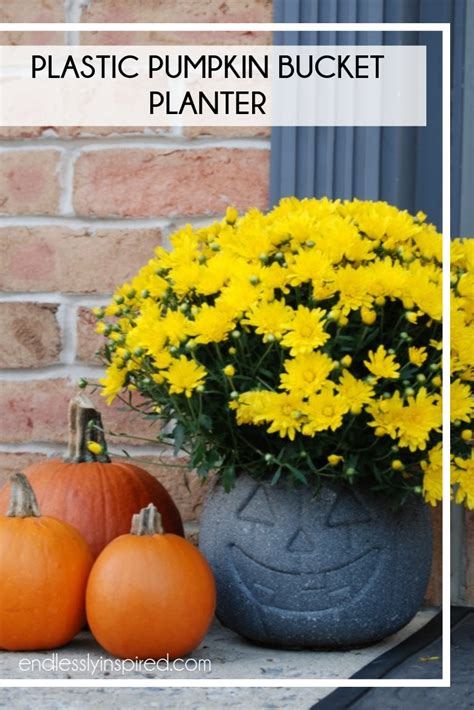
[417, 356]
[381, 364]
[250, 408]
[95, 448]
[211, 324]
[334, 459]
[397, 465]
[283, 413]
[432, 478]
[229, 370]
[184, 277]
[306, 374]
[355, 392]
[305, 331]
[386, 414]
[184, 375]
[269, 318]
[113, 381]
[324, 411]
[418, 419]
[175, 327]
[310, 265]
[353, 287]
[462, 403]
[462, 475]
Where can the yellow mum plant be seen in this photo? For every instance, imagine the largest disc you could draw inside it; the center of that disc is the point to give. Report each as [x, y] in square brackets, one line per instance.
[304, 343]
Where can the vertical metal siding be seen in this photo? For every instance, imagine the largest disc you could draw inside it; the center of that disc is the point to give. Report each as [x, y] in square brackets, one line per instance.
[400, 165]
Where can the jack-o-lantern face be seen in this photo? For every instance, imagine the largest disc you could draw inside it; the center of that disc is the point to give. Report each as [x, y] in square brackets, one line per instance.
[308, 565]
[327, 576]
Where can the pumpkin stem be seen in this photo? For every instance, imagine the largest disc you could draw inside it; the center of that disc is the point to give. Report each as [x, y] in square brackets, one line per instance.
[85, 427]
[147, 521]
[23, 503]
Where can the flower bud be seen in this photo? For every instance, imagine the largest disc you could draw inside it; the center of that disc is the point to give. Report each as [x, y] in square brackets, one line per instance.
[368, 316]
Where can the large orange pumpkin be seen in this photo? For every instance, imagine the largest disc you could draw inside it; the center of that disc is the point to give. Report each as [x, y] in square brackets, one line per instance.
[44, 566]
[150, 594]
[89, 491]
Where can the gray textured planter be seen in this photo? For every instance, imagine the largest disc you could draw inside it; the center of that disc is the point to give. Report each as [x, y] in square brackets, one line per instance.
[338, 570]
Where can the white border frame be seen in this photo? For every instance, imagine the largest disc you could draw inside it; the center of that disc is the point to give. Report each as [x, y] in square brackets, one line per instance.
[444, 28]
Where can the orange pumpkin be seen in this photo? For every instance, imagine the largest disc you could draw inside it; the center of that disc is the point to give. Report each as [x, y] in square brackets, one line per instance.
[44, 566]
[87, 490]
[150, 594]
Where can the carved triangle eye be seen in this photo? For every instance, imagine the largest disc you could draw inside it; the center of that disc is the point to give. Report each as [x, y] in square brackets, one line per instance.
[347, 510]
[257, 508]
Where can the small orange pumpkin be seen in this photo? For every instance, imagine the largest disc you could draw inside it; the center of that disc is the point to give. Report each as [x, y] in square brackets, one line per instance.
[89, 491]
[44, 566]
[150, 594]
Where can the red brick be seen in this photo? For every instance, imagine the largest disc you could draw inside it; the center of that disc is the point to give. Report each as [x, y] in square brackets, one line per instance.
[30, 335]
[88, 341]
[29, 182]
[28, 132]
[32, 11]
[151, 38]
[14, 462]
[226, 131]
[177, 11]
[107, 131]
[31, 38]
[72, 261]
[17, 132]
[36, 411]
[147, 183]
[433, 594]
[33, 410]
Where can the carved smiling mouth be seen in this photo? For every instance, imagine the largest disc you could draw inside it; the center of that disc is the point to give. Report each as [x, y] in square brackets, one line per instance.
[315, 591]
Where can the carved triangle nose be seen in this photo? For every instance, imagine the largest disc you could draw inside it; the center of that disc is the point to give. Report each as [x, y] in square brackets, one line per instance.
[300, 542]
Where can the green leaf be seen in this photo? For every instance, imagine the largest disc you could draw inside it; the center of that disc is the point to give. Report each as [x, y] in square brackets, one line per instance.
[179, 435]
[276, 477]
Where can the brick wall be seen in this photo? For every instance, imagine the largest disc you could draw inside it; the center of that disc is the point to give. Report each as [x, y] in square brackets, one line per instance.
[82, 209]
